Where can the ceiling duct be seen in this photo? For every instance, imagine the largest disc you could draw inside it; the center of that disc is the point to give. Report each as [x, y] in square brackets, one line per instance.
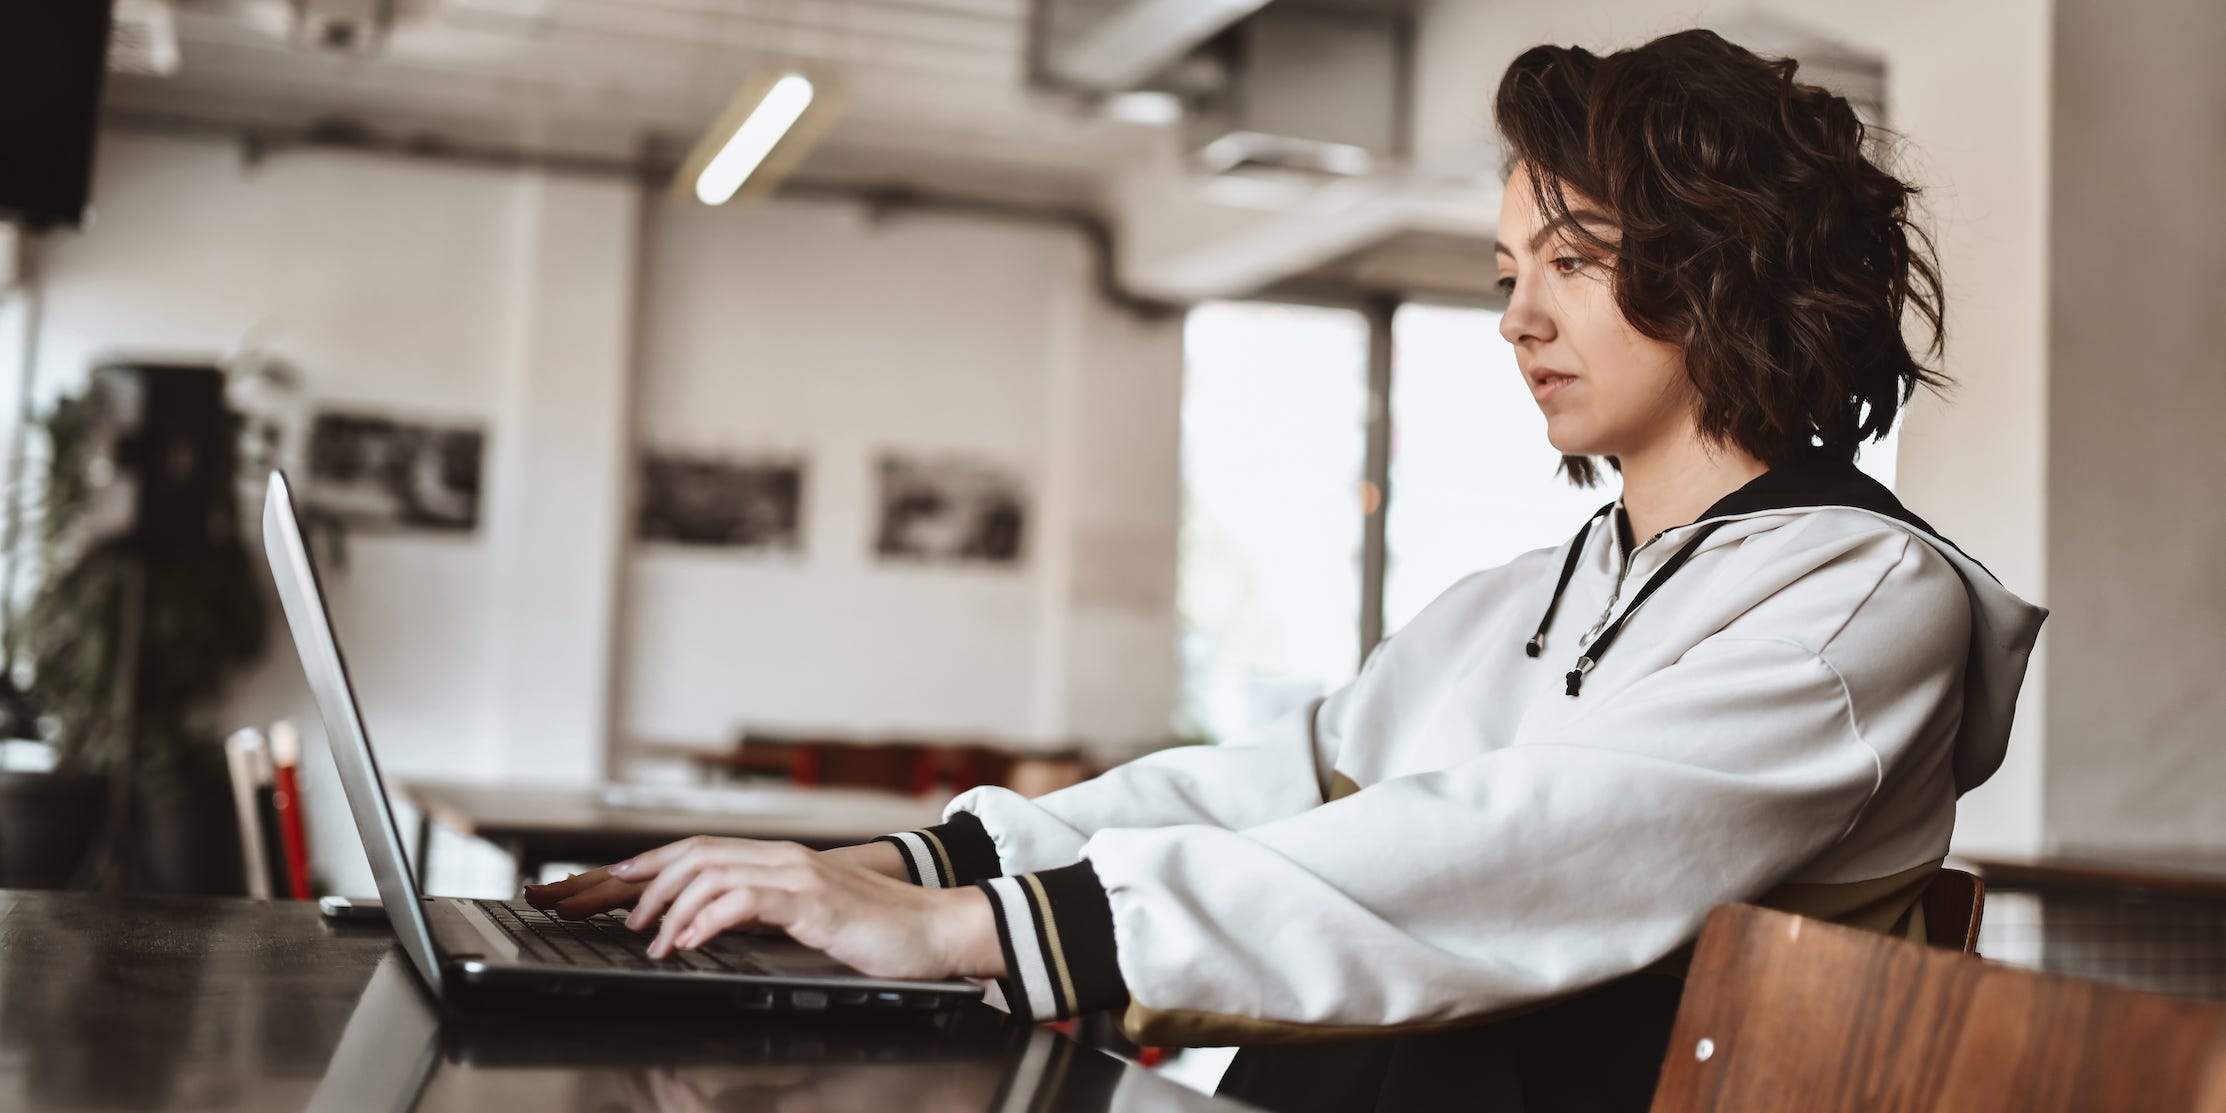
[1308, 93]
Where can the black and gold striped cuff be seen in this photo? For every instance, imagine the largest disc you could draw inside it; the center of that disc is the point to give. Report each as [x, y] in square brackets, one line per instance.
[955, 852]
[1056, 929]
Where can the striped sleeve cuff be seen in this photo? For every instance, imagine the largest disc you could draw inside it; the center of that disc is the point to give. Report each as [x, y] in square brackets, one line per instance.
[955, 852]
[1056, 929]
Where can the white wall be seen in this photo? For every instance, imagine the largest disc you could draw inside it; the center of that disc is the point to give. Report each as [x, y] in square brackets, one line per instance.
[2137, 327]
[423, 290]
[822, 330]
[525, 302]
[1968, 86]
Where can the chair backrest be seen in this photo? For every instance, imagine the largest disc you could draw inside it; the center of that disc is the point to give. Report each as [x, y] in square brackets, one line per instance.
[1954, 904]
[1785, 1013]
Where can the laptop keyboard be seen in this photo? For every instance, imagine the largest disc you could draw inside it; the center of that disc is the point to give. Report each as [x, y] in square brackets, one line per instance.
[604, 940]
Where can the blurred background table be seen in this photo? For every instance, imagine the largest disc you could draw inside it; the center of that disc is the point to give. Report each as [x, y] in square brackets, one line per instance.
[538, 825]
[2153, 920]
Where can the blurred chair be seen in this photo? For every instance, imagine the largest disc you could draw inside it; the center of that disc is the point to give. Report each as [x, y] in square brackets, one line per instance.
[2214, 1095]
[915, 767]
[1786, 1013]
[1954, 904]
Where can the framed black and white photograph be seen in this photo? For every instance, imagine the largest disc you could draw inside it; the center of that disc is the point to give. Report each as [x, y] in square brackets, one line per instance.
[389, 473]
[946, 508]
[721, 501]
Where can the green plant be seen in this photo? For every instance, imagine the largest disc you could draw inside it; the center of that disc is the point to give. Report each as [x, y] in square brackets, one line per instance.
[194, 599]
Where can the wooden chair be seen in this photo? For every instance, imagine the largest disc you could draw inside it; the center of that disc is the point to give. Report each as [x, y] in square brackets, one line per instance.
[1954, 904]
[1784, 1013]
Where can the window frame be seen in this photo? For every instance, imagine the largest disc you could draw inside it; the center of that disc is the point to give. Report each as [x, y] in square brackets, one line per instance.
[1378, 309]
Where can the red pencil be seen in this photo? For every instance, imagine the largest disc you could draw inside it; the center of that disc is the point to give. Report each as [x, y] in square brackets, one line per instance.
[286, 798]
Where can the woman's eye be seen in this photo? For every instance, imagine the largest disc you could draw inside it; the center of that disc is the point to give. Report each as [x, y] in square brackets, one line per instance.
[1506, 284]
[1570, 264]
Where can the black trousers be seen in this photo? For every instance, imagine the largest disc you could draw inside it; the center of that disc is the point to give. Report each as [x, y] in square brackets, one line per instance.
[1598, 1052]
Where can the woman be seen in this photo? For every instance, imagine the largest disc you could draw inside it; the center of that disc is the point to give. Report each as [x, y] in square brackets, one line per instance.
[1753, 677]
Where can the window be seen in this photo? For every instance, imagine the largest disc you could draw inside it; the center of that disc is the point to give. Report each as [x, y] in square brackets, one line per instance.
[1279, 499]
[1474, 483]
[1275, 402]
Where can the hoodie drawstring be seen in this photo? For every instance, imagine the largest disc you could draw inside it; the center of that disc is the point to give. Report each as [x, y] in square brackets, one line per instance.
[1537, 642]
[1599, 647]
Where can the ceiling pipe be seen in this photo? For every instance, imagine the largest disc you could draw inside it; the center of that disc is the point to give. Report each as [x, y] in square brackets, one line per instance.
[654, 172]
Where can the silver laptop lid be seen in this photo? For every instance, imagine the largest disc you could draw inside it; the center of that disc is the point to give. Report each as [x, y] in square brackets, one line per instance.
[311, 622]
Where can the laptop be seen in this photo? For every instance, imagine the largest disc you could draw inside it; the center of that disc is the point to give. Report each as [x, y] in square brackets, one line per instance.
[470, 951]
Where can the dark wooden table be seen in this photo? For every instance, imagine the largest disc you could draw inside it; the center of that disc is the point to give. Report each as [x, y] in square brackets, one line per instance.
[150, 1004]
[537, 825]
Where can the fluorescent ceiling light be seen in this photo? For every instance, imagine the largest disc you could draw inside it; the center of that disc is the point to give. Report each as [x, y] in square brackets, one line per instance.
[1144, 107]
[784, 103]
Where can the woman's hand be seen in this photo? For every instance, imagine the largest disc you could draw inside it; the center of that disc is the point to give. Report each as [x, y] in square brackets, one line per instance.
[694, 889]
[699, 887]
[585, 894]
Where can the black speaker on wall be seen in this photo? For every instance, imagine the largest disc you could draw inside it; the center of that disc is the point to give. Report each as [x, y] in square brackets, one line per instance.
[53, 54]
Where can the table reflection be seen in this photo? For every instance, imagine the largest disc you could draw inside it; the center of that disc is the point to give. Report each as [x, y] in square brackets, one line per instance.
[399, 1053]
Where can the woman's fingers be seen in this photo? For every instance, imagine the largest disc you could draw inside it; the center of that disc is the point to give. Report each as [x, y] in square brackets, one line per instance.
[650, 881]
[750, 885]
[676, 871]
[646, 865]
[737, 908]
[707, 886]
[612, 893]
[545, 896]
[670, 882]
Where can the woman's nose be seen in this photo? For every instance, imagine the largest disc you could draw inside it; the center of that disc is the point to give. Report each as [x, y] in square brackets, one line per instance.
[1525, 320]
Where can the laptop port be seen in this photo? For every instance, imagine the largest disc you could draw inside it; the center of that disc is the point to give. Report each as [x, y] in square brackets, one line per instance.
[892, 1000]
[807, 999]
[754, 998]
[851, 997]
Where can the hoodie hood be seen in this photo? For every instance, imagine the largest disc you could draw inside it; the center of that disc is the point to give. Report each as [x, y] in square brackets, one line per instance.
[2004, 627]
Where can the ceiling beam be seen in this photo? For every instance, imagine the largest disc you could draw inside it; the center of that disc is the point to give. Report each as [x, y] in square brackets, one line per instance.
[1129, 45]
[1187, 239]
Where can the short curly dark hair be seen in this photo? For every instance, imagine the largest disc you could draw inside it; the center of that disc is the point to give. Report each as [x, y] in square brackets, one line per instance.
[1757, 233]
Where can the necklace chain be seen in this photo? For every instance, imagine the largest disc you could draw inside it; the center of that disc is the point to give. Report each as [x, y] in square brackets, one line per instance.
[1615, 594]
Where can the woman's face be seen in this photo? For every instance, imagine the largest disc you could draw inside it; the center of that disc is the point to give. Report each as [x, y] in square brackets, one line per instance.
[1605, 389]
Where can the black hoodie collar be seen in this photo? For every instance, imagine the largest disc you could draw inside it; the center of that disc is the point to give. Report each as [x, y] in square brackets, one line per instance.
[1810, 480]
[1815, 480]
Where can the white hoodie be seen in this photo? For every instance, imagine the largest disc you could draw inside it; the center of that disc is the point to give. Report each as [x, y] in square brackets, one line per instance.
[1789, 718]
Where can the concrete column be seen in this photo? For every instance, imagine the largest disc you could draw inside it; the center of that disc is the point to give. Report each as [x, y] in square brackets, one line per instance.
[558, 502]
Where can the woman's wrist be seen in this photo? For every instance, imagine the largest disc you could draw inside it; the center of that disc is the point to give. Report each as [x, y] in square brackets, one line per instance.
[875, 857]
[966, 923]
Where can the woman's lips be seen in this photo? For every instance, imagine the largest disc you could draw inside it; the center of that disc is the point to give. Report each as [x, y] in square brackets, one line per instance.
[1549, 384]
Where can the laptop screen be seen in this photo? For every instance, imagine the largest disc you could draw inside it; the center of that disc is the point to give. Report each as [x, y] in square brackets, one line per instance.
[311, 623]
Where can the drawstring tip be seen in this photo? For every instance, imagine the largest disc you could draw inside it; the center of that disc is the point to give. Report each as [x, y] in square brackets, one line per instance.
[1536, 645]
[1576, 675]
